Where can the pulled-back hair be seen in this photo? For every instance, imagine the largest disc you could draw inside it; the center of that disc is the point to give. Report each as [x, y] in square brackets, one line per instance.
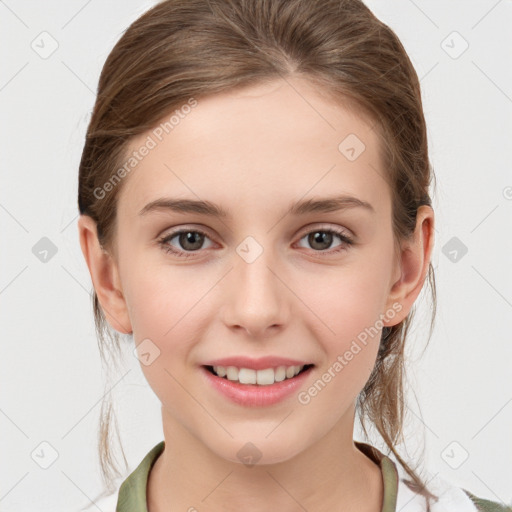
[184, 49]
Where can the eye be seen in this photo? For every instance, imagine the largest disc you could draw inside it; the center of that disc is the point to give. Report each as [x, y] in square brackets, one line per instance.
[190, 239]
[321, 239]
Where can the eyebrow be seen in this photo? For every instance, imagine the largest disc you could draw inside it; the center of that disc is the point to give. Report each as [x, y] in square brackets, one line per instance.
[324, 205]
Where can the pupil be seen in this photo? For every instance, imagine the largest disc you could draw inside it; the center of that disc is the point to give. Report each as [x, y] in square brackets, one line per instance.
[318, 237]
[186, 238]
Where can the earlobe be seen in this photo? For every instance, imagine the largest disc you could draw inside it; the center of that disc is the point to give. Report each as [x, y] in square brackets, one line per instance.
[104, 275]
[414, 263]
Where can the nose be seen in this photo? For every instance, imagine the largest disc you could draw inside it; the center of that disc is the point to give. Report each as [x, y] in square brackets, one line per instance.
[255, 297]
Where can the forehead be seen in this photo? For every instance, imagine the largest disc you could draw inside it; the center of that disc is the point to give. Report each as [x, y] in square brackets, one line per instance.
[272, 142]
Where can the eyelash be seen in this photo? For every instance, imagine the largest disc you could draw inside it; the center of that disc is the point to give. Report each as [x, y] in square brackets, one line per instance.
[347, 241]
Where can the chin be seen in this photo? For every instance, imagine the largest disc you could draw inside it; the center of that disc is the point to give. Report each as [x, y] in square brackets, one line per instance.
[259, 451]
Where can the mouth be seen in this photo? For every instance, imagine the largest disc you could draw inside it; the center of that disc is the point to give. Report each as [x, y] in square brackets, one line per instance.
[263, 377]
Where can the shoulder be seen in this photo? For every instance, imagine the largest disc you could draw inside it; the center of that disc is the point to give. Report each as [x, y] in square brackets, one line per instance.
[451, 497]
[130, 491]
[487, 505]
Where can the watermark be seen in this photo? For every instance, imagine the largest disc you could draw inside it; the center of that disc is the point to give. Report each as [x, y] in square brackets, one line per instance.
[454, 249]
[507, 193]
[454, 45]
[44, 454]
[249, 455]
[146, 352]
[45, 45]
[151, 142]
[455, 455]
[351, 147]
[305, 397]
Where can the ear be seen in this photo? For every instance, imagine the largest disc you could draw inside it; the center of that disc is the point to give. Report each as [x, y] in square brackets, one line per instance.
[105, 276]
[411, 267]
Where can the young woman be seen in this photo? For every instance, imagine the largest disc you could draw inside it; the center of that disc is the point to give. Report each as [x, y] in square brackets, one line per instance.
[256, 217]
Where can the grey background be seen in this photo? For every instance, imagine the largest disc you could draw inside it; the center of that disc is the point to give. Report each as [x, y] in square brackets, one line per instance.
[52, 382]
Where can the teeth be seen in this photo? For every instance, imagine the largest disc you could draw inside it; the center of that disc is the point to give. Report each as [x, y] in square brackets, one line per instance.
[262, 377]
[246, 376]
[232, 373]
[280, 374]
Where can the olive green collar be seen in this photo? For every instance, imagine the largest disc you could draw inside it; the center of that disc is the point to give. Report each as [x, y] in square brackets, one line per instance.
[132, 493]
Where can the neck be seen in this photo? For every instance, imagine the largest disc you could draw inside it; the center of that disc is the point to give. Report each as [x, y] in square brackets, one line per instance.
[332, 474]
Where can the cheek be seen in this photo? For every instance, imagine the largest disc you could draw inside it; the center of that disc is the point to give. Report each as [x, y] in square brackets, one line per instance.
[348, 330]
[348, 302]
[346, 312]
[159, 296]
[163, 317]
[166, 322]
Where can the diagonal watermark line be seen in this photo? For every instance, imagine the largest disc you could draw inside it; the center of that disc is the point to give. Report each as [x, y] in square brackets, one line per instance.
[429, 71]
[291, 496]
[14, 218]
[424, 14]
[69, 223]
[484, 218]
[78, 77]
[414, 497]
[76, 14]
[76, 280]
[104, 395]
[12, 280]
[216, 487]
[14, 485]
[492, 81]
[280, 423]
[81, 490]
[506, 403]
[13, 13]
[14, 76]
[377, 172]
[421, 419]
[198, 403]
[333, 332]
[14, 423]
[504, 298]
[497, 497]
[499, 1]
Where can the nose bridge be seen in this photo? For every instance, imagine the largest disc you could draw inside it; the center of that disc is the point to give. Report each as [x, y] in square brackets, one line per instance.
[257, 296]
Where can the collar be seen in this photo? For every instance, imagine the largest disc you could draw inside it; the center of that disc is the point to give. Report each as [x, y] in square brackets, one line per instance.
[132, 493]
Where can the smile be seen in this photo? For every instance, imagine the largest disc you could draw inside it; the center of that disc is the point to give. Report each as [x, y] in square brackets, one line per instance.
[265, 377]
[256, 388]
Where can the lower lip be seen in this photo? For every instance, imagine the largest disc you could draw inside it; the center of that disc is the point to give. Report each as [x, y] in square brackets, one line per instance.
[252, 395]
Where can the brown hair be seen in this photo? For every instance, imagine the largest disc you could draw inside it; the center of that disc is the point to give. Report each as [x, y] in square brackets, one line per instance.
[183, 49]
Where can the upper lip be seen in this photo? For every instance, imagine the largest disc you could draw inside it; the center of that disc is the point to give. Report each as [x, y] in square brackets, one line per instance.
[261, 363]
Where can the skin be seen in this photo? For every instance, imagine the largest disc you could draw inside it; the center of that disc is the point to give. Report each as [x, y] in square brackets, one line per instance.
[255, 151]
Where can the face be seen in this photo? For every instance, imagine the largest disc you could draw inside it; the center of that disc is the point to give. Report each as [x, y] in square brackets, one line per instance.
[310, 286]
